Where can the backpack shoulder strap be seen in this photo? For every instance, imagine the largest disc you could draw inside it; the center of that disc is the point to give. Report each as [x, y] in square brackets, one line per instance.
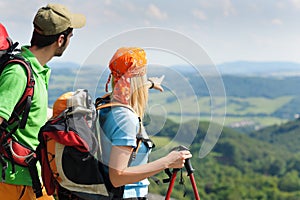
[114, 104]
[23, 105]
[105, 102]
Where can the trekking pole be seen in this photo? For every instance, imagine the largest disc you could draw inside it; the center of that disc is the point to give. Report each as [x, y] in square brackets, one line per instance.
[190, 171]
[171, 185]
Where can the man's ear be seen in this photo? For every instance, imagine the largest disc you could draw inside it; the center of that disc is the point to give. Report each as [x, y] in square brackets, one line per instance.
[60, 40]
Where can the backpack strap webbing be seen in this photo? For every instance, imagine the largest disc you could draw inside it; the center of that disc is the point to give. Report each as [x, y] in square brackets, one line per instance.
[36, 184]
[23, 105]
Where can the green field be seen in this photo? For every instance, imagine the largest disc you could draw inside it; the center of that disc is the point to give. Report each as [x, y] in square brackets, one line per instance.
[257, 111]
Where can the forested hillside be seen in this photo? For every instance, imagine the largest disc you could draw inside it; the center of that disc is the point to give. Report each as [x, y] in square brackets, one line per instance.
[239, 167]
[284, 136]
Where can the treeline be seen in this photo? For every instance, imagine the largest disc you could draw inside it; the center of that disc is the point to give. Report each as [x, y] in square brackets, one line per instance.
[244, 86]
[236, 86]
[240, 166]
[65, 79]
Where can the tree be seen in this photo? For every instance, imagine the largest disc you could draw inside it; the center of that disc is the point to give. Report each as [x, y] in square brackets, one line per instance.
[289, 182]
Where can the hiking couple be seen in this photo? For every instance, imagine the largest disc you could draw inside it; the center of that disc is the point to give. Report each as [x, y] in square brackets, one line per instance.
[53, 28]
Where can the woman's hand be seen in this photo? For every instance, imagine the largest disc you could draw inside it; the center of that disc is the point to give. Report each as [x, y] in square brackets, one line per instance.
[120, 174]
[156, 82]
[176, 159]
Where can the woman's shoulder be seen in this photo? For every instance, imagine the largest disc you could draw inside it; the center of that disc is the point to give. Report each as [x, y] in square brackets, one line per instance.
[122, 121]
[119, 113]
[123, 110]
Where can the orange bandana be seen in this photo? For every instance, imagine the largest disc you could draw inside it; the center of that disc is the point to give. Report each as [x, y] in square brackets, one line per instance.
[125, 64]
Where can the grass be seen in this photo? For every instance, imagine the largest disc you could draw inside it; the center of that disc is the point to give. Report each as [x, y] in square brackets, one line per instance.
[234, 109]
[163, 145]
[256, 105]
[160, 141]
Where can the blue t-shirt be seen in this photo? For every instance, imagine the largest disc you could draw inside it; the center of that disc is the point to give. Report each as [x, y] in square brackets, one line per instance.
[119, 128]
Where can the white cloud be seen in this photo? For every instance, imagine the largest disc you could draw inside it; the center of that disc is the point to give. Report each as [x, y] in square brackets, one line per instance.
[107, 2]
[228, 8]
[110, 14]
[277, 21]
[199, 14]
[280, 5]
[296, 3]
[130, 6]
[156, 13]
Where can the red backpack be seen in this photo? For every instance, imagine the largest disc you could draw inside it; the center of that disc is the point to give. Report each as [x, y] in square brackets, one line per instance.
[10, 149]
[69, 151]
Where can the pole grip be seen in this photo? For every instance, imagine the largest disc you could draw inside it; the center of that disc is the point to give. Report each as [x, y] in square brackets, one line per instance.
[188, 166]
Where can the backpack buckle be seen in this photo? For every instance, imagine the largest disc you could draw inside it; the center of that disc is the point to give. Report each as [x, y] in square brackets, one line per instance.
[31, 160]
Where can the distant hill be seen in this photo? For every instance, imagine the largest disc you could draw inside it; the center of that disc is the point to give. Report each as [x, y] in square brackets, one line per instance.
[54, 65]
[261, 83]
[247, 68]
[284, 136]
[240, 68]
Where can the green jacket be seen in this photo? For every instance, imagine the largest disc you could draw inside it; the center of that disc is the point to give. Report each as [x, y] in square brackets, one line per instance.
[12, 84]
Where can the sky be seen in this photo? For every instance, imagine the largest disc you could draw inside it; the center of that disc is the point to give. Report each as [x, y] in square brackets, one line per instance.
[227, 30]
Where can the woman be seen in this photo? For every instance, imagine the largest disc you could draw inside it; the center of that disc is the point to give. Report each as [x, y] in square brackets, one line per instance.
[121, 125]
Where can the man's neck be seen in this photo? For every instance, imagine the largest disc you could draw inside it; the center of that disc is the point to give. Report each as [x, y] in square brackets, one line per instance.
[43, 55]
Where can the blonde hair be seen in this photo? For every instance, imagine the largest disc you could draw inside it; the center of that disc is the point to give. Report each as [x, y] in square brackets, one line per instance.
[139, 95]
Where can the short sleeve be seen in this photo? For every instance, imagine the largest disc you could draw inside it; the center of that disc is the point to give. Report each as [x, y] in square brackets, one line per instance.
[124, 127]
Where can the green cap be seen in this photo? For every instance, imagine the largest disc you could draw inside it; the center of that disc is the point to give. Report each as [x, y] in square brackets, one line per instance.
[55, 18]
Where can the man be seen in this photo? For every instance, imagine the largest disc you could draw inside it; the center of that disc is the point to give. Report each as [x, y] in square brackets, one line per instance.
[53, 26]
